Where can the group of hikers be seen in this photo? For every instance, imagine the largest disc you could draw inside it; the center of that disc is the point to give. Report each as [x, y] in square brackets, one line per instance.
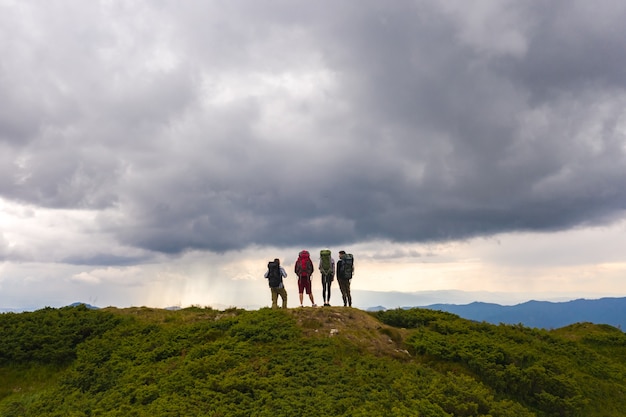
[344, 270]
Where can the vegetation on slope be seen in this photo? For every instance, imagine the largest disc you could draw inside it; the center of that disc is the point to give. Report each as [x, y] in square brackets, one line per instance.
[323, 362]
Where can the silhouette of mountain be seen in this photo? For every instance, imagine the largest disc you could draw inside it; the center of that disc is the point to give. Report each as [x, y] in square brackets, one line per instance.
[543, 314]
[89, 306]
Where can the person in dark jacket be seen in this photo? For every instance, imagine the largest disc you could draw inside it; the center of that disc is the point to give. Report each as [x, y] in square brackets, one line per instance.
[328, 275]
[344, 282]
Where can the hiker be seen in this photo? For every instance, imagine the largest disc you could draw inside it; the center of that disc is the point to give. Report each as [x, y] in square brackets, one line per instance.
[304, 270]
[327, 269]
[275, 274]
[345, 271]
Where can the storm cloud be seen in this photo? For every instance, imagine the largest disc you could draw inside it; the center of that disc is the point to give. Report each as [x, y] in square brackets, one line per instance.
[222, 125]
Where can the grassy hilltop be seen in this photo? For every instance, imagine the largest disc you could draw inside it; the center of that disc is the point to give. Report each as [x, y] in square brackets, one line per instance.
[302, 362]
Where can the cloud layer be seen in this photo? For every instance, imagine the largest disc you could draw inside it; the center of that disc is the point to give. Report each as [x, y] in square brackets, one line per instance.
[220, 126]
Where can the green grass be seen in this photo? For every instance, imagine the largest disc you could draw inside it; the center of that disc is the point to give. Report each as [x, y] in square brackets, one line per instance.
[25, 380]
[321, 362]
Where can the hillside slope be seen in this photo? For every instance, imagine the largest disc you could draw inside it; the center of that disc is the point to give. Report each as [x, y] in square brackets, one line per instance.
[318, 362]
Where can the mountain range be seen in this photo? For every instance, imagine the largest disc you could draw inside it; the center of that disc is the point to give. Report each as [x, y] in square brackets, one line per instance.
[543, 314]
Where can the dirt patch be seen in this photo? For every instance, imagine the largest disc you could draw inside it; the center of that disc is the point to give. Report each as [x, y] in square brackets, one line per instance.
[352, 324]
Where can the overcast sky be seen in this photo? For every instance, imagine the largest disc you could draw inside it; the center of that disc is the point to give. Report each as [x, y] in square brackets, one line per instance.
[161, 152]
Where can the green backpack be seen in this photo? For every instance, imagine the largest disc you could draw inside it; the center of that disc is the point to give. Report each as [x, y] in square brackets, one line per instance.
[326, 262]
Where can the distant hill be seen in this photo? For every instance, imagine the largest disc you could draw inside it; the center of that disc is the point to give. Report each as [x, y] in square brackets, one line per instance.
[544, 314]
[89, 306]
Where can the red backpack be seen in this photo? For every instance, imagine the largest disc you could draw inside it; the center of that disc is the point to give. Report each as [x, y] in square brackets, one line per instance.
[304, 258]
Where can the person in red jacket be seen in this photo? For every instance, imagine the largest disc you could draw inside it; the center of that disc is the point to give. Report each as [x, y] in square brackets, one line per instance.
[304, 270]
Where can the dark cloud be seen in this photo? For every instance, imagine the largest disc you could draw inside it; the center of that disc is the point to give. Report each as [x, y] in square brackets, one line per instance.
[572, 48]
[199, 127]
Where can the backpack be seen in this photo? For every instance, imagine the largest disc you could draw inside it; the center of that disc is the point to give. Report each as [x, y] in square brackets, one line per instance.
[274, 276]
[348, 266]
[303, 262]
[326, 266]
